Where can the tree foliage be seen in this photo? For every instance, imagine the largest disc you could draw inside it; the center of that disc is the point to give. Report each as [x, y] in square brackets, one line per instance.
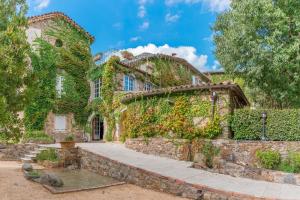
[14, 66]
[259, 40]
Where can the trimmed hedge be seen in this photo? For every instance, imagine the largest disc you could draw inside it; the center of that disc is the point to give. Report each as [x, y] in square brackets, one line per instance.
[282, 125]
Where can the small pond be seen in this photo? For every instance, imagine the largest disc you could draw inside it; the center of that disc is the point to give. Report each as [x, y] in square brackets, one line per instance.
[77, 180]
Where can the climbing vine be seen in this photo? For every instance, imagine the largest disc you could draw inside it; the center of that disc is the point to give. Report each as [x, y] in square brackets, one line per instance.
[71, 59]
[171, 116]
[107, 92]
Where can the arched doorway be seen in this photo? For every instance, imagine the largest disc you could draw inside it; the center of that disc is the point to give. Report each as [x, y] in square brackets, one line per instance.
[97, 128]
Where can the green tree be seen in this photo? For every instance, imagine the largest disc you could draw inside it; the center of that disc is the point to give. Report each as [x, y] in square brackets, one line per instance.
[259, 40]
[14, 62]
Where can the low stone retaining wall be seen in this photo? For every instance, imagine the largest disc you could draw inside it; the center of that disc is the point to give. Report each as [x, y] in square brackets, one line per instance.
[237, 170]
[130, 174]
[240, 152]
[15, 151]
[175, 149]
[243, 152]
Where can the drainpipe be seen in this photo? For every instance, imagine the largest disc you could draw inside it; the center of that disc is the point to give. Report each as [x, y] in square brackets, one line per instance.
[213, 104]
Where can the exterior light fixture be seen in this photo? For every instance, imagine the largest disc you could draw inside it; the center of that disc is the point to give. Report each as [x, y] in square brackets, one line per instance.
[264, 117]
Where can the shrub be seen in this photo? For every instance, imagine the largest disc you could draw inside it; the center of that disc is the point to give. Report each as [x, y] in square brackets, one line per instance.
[269, 159]
[69, 138]
[291, 164]
[48, 154]
[37, 136]
[282, 125]
[209, 151]
[213, 129]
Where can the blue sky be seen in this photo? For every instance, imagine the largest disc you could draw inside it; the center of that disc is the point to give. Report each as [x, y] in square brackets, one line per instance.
[157, 26]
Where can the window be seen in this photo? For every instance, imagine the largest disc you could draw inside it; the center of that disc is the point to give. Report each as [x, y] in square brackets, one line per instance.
[194, 80]
[97, 88]
[58, 43]
[60, 123]
[148, 86]
[59, 85]
[128, 83]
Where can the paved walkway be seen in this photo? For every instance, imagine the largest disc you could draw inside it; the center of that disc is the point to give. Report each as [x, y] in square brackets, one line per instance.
[181, 170]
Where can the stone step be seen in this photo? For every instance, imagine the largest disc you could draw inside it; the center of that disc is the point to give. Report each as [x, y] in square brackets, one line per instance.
[40, 149]
[26, 160]
[30, 156]
[34, 152]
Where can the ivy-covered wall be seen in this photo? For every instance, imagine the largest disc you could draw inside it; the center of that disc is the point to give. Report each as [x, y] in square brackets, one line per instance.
[186, 115]
[69, 56]
[170, 73]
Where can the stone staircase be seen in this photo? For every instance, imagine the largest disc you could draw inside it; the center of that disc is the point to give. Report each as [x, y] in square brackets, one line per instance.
[30, 157]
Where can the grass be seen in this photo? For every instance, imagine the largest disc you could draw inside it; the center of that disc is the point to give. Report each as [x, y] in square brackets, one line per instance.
[48, 154]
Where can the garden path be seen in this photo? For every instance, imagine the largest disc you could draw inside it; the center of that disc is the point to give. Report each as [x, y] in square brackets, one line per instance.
[181, 170]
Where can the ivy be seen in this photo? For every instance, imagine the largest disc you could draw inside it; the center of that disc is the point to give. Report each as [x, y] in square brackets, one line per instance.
[72, 60]
[170, 116]
[106, 105]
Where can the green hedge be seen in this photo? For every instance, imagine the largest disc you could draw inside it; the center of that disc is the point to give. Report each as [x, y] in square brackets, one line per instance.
[282, 125]
[37, 137]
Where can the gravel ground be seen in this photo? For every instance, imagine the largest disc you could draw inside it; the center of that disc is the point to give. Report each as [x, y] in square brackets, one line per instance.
[13, 186]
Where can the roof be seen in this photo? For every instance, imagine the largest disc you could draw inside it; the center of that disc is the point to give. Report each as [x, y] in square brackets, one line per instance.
[237, 91]
[97, 57]
[146, 56]
[57, 15]
[214, 73]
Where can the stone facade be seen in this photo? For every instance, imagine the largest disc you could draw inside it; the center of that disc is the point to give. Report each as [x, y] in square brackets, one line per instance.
[37, 27]
[16, 151]
[71, 128]
[150, 180]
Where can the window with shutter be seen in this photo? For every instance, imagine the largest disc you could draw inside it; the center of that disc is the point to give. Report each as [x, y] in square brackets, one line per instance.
[60, 123]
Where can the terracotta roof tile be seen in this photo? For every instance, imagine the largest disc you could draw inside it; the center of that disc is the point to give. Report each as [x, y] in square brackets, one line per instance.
[145, 56]
[226, 85]
[54, 15]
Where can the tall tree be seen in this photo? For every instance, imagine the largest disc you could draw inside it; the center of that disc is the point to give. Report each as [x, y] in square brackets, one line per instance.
[260, 41]
[14, 65]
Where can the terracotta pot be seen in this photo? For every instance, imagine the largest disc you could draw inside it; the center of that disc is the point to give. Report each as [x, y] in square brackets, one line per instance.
[67, 145]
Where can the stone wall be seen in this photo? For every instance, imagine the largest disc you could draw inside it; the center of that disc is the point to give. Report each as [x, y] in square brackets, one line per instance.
[240, 152]
[150, 180]
[175, 149]
[243, 152]
[237, 170]
[69, 157]
[70, 128]
[16, 151]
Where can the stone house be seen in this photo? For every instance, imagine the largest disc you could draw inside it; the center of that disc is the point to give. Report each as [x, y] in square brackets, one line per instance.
[139, 74]
[222, 99]
[57, 125]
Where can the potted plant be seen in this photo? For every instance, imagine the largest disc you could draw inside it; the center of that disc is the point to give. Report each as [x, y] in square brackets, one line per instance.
[69, 142]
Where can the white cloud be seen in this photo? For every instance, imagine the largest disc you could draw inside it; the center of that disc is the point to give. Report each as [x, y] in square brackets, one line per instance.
[142, 8]
[172, 18]
[188, 53]
[134, 39]
[216, 66]
[217, 5]
[39, 4]
[144, 26]
[213, 5]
